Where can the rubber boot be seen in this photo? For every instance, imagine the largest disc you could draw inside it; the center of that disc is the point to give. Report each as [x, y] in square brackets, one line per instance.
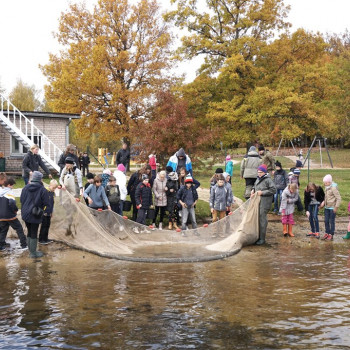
[347, 236]
[32, 244]
[290, 231]
[170, 225]
[285, 230]
[175, 226]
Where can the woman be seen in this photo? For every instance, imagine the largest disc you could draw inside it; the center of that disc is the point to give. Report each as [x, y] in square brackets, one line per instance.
[159, 189]
[34, 197]
[134, 180]
[265, 188]
[31, 163]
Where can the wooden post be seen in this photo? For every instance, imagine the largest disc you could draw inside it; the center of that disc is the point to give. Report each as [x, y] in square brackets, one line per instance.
[279, 146]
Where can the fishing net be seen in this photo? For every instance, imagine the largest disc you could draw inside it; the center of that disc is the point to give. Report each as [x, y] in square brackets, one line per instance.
[107, 234]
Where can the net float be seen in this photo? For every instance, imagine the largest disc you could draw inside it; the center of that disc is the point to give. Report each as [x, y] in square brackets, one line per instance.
[59, 187]
[205, 225]
[230, 213]
[99, 209]
[125, 217]
[77, 199]
[178, 230]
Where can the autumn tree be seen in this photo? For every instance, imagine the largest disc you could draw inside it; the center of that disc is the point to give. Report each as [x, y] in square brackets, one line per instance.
[114, 60]
[25, 97]
[226, 27]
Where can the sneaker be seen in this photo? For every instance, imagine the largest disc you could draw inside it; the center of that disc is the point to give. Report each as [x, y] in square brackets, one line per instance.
[310, 234]
[121, 228]
[136, 230]
[147, 231]
[317, 235]
[43, 242]
[161, 226]
[329, 238]
[325, 236]
[49, 241]
[23, 247]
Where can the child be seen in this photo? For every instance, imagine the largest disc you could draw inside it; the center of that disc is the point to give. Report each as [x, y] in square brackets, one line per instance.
[228, 186]
[85, 161]
[331, 204]
[188, 197]
[290, 196]
[295, 179]
[220, 199]
[113, 194]
[45, 224]
[347, 236]
[90, 180]
[281, 181]
[171, 192]
[313, 197]
[8, 213]
[105, 177]
[119, 174]
[143, 198]
[214, 178]
[229, 166]
[182, 178]
[159, 189]
[71, 179]
[96, 195]
[153, 164]
[2, 179]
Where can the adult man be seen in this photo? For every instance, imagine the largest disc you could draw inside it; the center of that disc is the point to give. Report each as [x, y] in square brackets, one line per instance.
[70, 152]
[249, 168]
[267, 159]
[123, 156]
[180, 160]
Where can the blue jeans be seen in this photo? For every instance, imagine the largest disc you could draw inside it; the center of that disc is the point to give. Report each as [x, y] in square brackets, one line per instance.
[26, 179]
[313, 218]
[121, 204]
[278, 201]
[329, 221]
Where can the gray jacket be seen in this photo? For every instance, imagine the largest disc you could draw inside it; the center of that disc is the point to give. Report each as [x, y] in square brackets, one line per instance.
[220, 197]
[267, 186]
[159, 192]
[288, 201]
[281, 179]
[249, 165]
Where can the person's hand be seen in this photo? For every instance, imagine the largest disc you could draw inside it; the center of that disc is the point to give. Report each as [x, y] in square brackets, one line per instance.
[184, 205]
[50, 176]
[212, 210]
[322, 205]
[109, 207]
[335, 210]
[251, 194]
[81, 191]
[64, 187]
[193, 205]
[171, 190]
[90, 200]
[227, 208]
[30, 173]
[139, 206]
[259, 193]
[166, 188]
[283, 213]
[308, 214]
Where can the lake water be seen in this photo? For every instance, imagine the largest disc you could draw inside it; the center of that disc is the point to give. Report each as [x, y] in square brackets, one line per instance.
[281, 296]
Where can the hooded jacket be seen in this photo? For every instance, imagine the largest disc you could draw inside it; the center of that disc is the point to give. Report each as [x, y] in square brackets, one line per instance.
[33, 195]
[288, 201]
[281, 179]
[174, 161]
[332, 197]
[31, 162]
[8, 207]
[121, 182]
[269, 160]
[250, 164]
[143, 195]
[188, 196]
[268, 188]
[123, 157]
[159, 191]
[62, 161]
[220, 197]
[172, 184]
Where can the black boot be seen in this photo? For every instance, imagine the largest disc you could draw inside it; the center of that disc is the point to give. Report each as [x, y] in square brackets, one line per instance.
[32, 244]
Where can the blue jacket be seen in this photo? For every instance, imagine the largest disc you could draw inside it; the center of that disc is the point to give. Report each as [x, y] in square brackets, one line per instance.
[183, 195]
[98, 196]
[49, 208]
[8, 208]
[173, 161]
[229, 167]
[33, 195]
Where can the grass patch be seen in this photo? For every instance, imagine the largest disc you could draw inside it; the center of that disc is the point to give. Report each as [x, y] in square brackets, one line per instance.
[340, 157]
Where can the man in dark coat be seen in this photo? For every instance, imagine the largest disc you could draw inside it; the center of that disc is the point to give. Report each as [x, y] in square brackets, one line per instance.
[31, 162]
[123, 156]
[70, 152]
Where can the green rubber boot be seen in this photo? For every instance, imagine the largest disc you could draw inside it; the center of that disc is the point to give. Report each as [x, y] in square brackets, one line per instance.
[347, 236]
[32, 244]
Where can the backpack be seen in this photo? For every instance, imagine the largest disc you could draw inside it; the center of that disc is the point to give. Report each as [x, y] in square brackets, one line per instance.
[113, 194]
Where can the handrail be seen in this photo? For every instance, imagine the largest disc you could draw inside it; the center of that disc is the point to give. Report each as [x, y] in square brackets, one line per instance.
[24, 126]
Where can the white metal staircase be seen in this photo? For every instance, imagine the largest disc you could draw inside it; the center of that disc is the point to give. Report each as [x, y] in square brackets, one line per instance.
[24, 130]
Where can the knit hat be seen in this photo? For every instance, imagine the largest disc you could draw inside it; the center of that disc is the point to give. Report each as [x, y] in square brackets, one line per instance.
[89, 176]
[261, 148]
[296, 172]
[121, 167]
[228, 157]
[144, 177]
[278, 164]
[69, 160]
[328, 178]
[298, 164]
[219, 171]
[169, 169]
[36, 176]
[173, 176]
[263, 168]
[188, 178]
[252, 149]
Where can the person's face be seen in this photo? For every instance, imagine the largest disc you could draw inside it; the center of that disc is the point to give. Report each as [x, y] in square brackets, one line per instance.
[327, 183]
[182, 173]
[145, 181]
[181, 157]
[35, 150]
[90, 181]
[228, 178]
[188, 184]
[148, 171]
[71, 151]
[98, 183]
[221, 183]
[162, 177]
[291, 190]
[278, 167]
[52, 187]
[125, 146]
[69, 166]
[113, 183]
[260, 173]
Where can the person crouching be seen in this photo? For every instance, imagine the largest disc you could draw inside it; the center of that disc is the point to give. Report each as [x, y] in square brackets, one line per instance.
[290, 196]
[96, 195]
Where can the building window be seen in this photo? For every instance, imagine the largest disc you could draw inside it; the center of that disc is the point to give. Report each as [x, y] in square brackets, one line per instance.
[18, 148]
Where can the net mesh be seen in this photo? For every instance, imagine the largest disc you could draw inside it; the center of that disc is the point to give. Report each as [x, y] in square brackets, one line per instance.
[107, 234]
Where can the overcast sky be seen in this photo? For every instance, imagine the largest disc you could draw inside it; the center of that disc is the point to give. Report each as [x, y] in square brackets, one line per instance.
[26, 29]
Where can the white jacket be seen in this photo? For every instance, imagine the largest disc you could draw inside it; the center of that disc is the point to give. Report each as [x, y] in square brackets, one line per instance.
[121, 182]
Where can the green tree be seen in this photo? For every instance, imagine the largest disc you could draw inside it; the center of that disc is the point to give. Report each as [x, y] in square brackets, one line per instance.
[25, 97]
[115, 60]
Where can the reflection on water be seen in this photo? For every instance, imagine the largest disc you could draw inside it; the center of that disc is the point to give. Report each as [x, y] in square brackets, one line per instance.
[275, 297]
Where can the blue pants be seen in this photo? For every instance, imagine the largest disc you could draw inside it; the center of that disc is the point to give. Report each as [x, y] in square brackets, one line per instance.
[313, 218]
[277, 200]
[329, 221]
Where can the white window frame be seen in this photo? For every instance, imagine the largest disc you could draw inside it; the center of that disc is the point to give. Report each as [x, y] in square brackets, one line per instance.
[21, 149]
